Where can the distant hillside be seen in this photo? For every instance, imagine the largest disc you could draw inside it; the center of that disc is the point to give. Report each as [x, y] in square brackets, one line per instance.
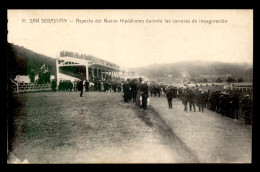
[196, 70]
[21, 61]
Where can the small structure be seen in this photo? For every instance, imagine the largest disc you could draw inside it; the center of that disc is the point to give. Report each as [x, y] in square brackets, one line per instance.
[22, 79]
[132, 75]
[241, 86]
[23, 87]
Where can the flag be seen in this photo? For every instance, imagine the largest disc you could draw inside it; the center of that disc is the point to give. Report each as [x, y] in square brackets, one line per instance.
[43, 66]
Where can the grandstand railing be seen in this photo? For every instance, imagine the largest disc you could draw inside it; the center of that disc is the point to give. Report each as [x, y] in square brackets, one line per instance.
[25, 87]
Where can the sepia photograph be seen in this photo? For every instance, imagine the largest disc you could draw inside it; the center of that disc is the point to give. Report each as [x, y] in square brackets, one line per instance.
[129, 86]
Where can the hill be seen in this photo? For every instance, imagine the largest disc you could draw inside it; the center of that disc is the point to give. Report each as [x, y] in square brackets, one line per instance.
[20, 61]
[197, 70]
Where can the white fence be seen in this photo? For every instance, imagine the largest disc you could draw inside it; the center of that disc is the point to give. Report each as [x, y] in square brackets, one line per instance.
[23, 88]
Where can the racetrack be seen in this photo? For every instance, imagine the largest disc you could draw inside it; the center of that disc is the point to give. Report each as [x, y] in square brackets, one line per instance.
[62, 127]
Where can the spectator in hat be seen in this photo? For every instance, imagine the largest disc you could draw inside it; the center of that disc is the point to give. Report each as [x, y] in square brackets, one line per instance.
[169, 95]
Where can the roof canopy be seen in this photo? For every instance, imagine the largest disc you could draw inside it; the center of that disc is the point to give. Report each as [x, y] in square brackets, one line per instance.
[95, 61]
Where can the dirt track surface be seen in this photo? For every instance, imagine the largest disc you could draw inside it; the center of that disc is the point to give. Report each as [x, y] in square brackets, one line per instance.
[62, 127]
[211, 137]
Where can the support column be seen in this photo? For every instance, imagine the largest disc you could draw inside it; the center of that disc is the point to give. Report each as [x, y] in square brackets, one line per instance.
[103, 74]
[100, 73]
[92, 70]
[57, 72]
[113, 75]
[87, 72]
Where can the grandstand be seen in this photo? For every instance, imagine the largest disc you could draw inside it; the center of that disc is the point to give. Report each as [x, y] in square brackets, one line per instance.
[71, 66]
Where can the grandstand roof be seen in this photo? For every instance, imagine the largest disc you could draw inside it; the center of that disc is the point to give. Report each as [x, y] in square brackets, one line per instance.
[96, 62]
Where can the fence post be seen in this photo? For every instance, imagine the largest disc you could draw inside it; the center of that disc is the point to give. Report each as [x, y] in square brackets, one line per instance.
[17, 90]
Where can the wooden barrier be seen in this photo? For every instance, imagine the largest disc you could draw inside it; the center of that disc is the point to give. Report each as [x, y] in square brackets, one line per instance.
[23, 88]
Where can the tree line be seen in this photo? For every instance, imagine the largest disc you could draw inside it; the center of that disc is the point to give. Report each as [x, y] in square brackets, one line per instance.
[20, 61]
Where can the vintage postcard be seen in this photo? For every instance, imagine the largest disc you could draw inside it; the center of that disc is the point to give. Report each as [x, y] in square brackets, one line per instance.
[129, 86]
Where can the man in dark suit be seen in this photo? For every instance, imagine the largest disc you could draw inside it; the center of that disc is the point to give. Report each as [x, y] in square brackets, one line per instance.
[191, 99]
[126, 90]
[234, 106]
[185, 98]
[86, 85]
[247, 109]
[80, 87]
[200, 100]
[145, 95]
[138, 94]
[169, 95]
[134, 89]
[53, 85]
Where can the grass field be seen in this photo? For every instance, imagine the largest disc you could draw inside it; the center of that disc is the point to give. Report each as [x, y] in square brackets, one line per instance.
[62, 127]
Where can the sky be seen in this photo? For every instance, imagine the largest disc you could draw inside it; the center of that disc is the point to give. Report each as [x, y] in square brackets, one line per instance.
[137, 44]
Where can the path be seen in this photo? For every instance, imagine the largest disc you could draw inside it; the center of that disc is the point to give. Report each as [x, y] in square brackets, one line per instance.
[213, 138]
